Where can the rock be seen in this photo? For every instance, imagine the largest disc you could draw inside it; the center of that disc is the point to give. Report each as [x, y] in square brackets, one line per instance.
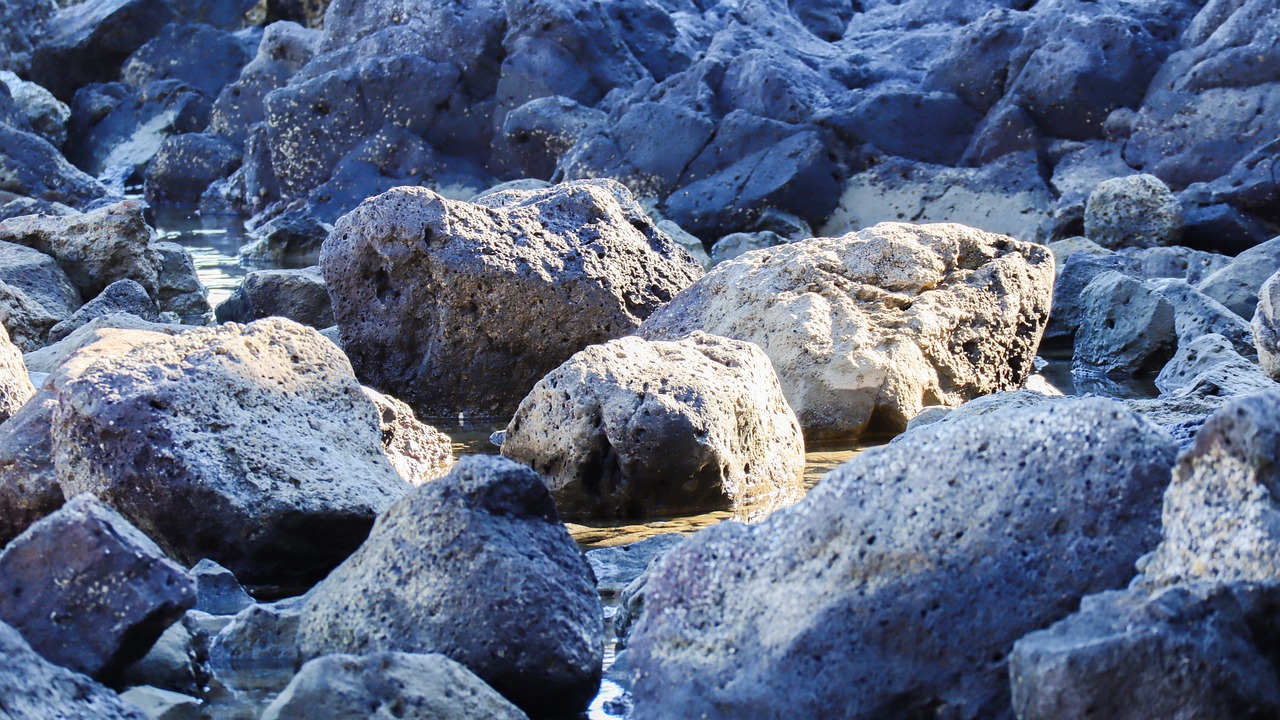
[45, 113]
[1125, 328]
[30, 166]
[1220, 517]
[532, 619]
[180, 289]
[865, 329]
[47, 359]
[1223, 228]
[1188, 651]
[96, 248]
[985, 405]
[256, 448]
[1210, 365]
[261, 635]
[734, 244]
[158, 704]
[1180, 415]
[1063, 250]
[691, 244]
[299, 295]
[1237, 284]
[89, 41]
[186, 165]
[398, 684]
[284, 49]
[12, 206]
[1176, 262]
[1007, 196]
[29, 488]
[498, 294]
[23, 24]
[217, 590]
[88, 590]
[908, 572]
[289, 240]
[35, 295]
[892, 121]
[121, 296]
[203, 57]
[1133, 211]
[633, 428]
[538, 132]
[35, 688]
[117, 126]
[417, 451]
[617, 567]
[1266, 329]
[1196, 314]
[15, 386]
[173, 663]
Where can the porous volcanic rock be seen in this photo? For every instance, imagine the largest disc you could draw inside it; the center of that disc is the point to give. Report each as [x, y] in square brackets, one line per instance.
[33, 687]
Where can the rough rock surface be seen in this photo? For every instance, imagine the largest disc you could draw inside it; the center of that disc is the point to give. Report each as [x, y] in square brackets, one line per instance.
[1125, 327]
[1199, 650]
[261, 635]
[35, 295]
[636, 427]
[1132, 211]
[1210, 365]
[866, 329]
[217, 590]
[254, 447]
[180, 289]
[1196, 314]
[299, 295]
[46, 114]
[908, 572]
[1236, 285]
[1266, 326]
[89, 41]
[617, 567]
[481, 549]
[89, 591]
[121, 296]
[29, 488]
[336, 687]
[417, 451]
[15, 385]
[495, 295]
[30, 166]
[33, 687]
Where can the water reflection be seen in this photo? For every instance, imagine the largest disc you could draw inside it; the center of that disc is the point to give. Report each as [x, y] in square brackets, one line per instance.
[214, 243]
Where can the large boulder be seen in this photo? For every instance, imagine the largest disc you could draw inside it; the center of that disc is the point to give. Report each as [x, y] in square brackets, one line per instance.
[1126, 328]
[336, 687]
[95, 248]
[530, 624]
[459, 307]
[300, 295]
[88, 590]
[866, 329]
[254, 447]
[35, 295]
[633, 427]
[1132, 211]
[203, 57]
[908, 572]
[33, 687]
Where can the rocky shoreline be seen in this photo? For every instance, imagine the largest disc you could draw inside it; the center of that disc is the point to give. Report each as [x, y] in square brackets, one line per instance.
[671, 243]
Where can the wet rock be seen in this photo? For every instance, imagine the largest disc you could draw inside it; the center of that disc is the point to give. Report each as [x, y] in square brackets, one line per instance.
[284, 49]
[217, 590]
[498, 294]
[89, 41]
[185, 165]
[1007, 196]
[1220, 516]
[15, 386]
[35, 688]
[417, 451]
[88, 590]
[35, 295]
[299, 295]
[180, 290]
[32, 167]
[617, 567]
[633, 428]
[116, 125]
[256, 449]
[533, 618]
[1210, 365]
[1237, 284]
[290, 240]
[854, 325]
[403, 684]
[121, 296]
[261, 635]
[1196, 314]
[46, 114]
[95, 249]
[1125, 327]
[1189, 651]
[202, 57]
[158, 704]
[1133, 211]
[908, 572]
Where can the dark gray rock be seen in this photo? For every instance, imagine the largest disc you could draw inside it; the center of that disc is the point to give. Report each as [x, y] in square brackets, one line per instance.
[202, 57]
[908, 572]
[893, 120]
[1196, 314]
[87, 42]
[35, 295]
[734, 244]
[284, 49]
[498, 294]
[292, 240]
[186, 165]
[121, 296]
[180, 290]
[1236, 285]
[1211, 365]
[217, 590]
[1181, 415]
[46, 115]
[32, 687]
[175, 661]
[617, 567]
[260, 636]
[160, 704]
[29, 488]
[300, 295]
[1124, 329]
[533, 621]
[88, 590]
[1200, 650]
[30, 166]
[23, 24]
[335, 687]
[1223, 228]
[118, 126]
[538, 132]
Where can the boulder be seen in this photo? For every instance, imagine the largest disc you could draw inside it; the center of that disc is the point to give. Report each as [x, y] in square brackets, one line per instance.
[35, 295]
[866, 329]
[88, 590]
[1220, 513]
[175, 661]
[284, 49]
[32, 687]
[159, 704]
[1133, 211]
[1223, 228]
[96, 248]
[217, 590]
[186, 165]
[121, 296]
[23, 24]
[1125, 328]
[734, 244]
[334, 687]
[417, 451]
[617, 567]
[12, 205]
[530, 625]
[1188, 651]
[1266, 329]
[495, 294]
[15, 385]
[1236, 285]
[46, 114]
[30, 166]
[261, 636]
[1210, 365]
[1064, 249]
[1179, 415]
[29, 488]
[908, 572]
[634, 427]
[180, 290]
[1196, 314]
[255, 448]
[203, 57]
[1077, 273]
[291, 240]
[300, 295]
[47, 359]
[119, 128]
